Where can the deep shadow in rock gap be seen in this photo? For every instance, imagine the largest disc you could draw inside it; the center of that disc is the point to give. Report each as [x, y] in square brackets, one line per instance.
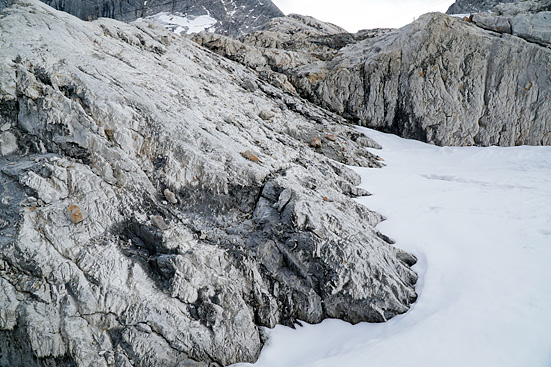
[15, 352]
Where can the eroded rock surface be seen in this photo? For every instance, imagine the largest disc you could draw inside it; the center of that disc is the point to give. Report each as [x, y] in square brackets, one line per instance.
[441, 79]
[134, 231]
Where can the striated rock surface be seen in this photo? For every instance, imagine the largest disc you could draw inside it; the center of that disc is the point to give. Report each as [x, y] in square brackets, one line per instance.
[230, 17]
[440, 79]
[149, 216]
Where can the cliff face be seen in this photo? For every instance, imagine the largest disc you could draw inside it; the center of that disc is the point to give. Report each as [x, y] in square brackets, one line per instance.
[482, 80]
[159, 203]
[232, 17]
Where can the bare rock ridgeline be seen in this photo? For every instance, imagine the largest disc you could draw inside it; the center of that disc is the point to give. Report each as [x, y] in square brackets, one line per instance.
[441, 79]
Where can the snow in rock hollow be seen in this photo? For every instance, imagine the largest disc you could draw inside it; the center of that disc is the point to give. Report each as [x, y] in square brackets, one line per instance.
[184, 24]
[479, 221]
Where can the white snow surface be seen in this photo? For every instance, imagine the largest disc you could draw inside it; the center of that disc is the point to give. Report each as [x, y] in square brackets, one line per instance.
[479, 222]
[183, 24]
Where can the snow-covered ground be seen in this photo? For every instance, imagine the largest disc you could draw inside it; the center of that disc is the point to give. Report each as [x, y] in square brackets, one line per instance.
[479, 221]
[181, 24]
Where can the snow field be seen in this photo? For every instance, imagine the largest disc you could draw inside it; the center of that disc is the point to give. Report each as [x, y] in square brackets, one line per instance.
[181, 24]
[479, 222]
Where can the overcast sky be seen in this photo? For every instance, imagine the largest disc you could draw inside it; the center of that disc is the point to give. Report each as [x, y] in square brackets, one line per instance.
[353, 15]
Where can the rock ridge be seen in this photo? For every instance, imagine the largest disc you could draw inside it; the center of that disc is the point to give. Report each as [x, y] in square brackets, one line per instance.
[441, 79]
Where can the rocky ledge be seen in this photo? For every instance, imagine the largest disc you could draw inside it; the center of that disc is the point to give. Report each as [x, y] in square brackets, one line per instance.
[161, 204]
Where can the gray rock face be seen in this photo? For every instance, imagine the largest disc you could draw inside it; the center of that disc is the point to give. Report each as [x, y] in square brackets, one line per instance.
[150, 217]
[474, 6]
[533, 28]
[441, 79]
[234, 17]
[522, 7]
[529, 20]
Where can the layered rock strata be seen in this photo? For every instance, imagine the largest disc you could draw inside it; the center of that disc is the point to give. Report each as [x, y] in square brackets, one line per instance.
[161, 204]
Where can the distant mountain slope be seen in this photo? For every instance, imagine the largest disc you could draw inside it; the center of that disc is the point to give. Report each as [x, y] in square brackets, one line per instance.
[232, 17]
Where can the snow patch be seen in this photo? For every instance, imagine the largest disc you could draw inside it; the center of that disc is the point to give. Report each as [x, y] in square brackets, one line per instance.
[184, 24]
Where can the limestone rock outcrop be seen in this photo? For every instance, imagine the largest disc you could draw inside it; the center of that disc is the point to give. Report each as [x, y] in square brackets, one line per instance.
[150, 217]
[441, 79]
